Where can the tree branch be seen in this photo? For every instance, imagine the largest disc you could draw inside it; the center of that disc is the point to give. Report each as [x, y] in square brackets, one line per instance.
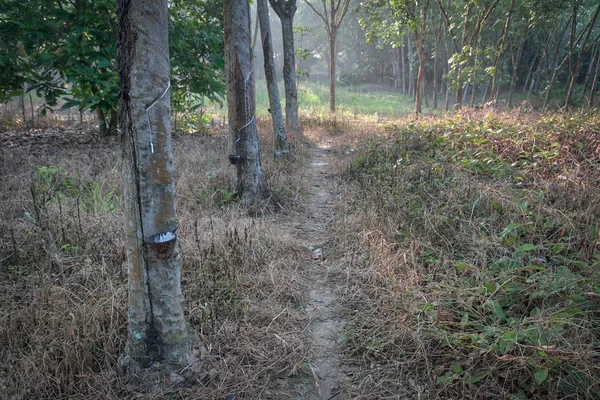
[322, 16]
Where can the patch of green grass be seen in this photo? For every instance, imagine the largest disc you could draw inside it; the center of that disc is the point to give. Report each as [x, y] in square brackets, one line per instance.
[351, 101]
[491, 230]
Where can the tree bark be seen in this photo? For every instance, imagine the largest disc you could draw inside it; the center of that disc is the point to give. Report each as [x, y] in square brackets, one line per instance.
[32, 111]
[332, 57]
[495, 84]
[102, 127]
[588, 74]
[594, 82]
[516, 60]
[157, 329]
[395, 67]
[241, 102]
[584, 49]
[411, 74]
[22, 97]
[403, 58]
[273, 90]
[529, 74]
[436, 68]
[420, 31]
[285, 10]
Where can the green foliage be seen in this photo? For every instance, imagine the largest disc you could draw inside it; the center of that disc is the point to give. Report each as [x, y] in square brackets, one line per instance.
[502, 216]
[67, 50]
[196, 50]
[56, 184]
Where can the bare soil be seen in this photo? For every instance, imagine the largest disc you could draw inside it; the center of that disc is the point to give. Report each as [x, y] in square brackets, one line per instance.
[327, 377]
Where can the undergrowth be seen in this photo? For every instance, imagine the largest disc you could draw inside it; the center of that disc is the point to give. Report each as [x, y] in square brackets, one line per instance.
[63, 279]
[477, 265]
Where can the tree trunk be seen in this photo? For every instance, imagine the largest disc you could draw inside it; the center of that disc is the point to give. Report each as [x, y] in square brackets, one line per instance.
[515, 64]
[289, 75]
[157, 329]
[274, 102]
[395, 67]
[420, 76]
[436, 68]
[446, 72]
[420, 32]
[102, 127]
[459, 67]
[285, 10]
[594, 82]
[583, 50]
[495, 84]
[241, 102]
[459, 89]
[332, 56]
[107, 128]
[485, 92]
[529, 75]
[32, 111]
[588, 74]
[253, 44]
[114, 123]
[411, 74]
[23, 107]
[403, 61]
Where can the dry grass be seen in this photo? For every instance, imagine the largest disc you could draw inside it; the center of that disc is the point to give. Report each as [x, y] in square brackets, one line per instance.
[469, 248]
[63, 278]
[473, 254]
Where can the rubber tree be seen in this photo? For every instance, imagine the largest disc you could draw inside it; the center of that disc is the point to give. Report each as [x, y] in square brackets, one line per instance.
[584, 46]
[285, 10]
[241, 102]
[157, 328]
[500, 53]
[476, 15]
[420, 30]
[333, 14]
[272, 88]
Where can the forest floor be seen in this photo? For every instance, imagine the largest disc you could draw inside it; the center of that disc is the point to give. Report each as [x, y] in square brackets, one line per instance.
[444, 258]
[262, 292]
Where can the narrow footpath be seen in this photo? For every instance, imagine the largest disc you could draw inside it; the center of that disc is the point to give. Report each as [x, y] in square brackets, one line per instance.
[327, 377]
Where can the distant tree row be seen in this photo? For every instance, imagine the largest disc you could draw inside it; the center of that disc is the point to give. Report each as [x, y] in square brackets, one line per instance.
[485, 51]
[466, 53]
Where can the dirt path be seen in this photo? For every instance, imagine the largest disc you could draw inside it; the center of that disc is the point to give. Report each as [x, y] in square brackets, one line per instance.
[327, 377]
